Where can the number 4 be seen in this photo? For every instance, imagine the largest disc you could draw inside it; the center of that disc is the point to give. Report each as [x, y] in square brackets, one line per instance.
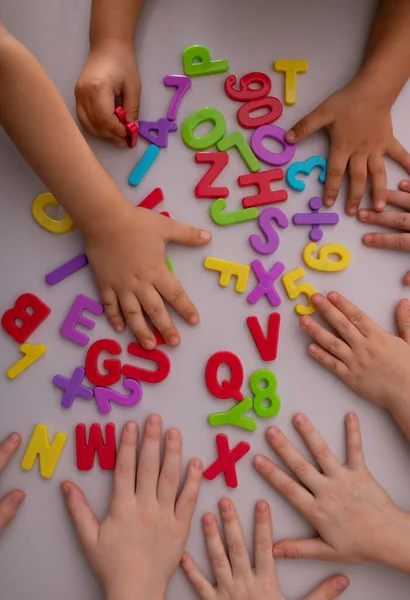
[294, 291]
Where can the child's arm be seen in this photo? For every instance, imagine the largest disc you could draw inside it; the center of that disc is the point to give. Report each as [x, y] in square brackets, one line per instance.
[10, 504]
[374, 363]
[235, 578]
[355, 518]
[357, 117]
[125, 245]
[110, 70]
[135, 551]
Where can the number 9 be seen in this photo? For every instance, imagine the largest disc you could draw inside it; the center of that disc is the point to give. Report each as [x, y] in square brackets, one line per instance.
[323, 263]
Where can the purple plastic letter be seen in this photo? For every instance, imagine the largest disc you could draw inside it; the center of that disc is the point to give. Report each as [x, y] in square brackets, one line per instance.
[266, 282]
[104, 396]
[75, 316]
[278, 134]
[162, 127]
[264, 222]
[73, 387]
[67, 269]
[182, 83]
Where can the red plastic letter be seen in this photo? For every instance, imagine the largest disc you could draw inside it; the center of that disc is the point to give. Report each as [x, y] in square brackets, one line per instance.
[263, 180]
[275, 110]
[246, 92]
[112, 366]
[267, 345]
[158, 356]
[225, 463]
[153, 199]
[226, 389]
[29, 320]
[107, 453]
[204, 188]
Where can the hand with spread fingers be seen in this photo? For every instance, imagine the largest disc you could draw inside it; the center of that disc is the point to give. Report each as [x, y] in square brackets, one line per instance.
[392, 219]
[234, 575]
[355, 518]
[136, 549]
[10, 504]
[374, 363]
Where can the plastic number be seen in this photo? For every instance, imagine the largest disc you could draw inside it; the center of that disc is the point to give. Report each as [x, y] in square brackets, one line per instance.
[197, 118]
[261, 394]
[294, 291]
[246, 92]
[323, 263]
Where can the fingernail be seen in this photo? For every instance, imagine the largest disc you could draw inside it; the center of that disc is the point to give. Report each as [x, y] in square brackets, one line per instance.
[317, 299]
[259, 461]
[299, 419]
[405, 303]
[173, 434]
[352, 417]
[174, 341]
[273, 433]
[261, 506]
[154, 420]
[208, 519]
[368, 239]
[119, 328]
[379, 205]
[332, 296]
[290, 136]
[205, 236]
[329, 201]
[405, 184]
[342, 584]
[194, 320]
[224, 505]
[14, 438]
[313, 348]
[197, 464]
[363, 214]
[352, 210]
[278, 553]
[148, 344]
[131, 427]
[303, 322]
[17, 499]
[65, 489]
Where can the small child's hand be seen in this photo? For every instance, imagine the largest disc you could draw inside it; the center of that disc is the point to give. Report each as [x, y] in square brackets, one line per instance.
[110, 70]
[136, 549]
[374, 363]
[235, 577]
[361, 133]
[394, 220]
[10, 504]
[354, 517]
[128, 259]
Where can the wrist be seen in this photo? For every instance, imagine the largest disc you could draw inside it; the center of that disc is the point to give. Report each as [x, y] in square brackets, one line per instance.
[380, 82]
[392, 545]
[144, 592]
[112, 44]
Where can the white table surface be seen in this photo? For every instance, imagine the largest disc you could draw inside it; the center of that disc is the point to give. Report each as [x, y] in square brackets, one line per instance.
[39, 556]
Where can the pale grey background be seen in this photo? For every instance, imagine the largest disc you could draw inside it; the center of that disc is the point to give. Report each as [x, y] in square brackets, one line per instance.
[39, 557]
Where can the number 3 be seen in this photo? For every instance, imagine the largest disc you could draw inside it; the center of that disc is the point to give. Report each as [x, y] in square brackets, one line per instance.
[294, 291]
[323, 263]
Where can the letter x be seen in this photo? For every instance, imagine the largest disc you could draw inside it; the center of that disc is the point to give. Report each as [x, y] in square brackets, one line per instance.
[73, 387]
[266, 280]
[226, 461]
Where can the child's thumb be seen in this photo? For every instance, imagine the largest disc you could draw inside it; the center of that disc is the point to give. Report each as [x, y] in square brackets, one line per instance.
[403, 319]
[131, 99]
[84, 521]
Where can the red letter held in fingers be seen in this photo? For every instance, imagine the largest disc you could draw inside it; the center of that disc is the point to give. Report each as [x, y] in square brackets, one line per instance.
[29, 320]
[226, 460]
[107, 453]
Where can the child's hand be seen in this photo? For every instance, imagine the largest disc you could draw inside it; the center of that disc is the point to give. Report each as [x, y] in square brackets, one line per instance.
[235, 577]
[136, 549]
[128, 259]
[110, 71]
[395, 220]
[10, 504]
[374, 363]
[355, 518]
[361, 134]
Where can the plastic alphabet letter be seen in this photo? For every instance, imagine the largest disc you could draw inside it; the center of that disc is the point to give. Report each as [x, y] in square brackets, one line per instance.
[263, 180]
[267, 345]
[262, 152]
[266, 282]
[226, 460]
[197, 62]
[73, 387]
[290, 68]
[235, 416]
[71, 266]
[227, 270]
[228, 388]
[39, 213]
[157, 356]
[75, 317]
[265, 225]
[113, 367]
[31, 354]
[48, 454]
[143, 165]
[220, 217]
[11, 319]
[204, 188]
[107, 453]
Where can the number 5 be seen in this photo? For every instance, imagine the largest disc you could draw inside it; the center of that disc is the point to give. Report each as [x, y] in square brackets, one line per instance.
[294, 291]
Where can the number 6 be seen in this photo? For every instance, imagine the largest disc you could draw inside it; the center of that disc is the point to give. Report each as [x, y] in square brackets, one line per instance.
[323, 263]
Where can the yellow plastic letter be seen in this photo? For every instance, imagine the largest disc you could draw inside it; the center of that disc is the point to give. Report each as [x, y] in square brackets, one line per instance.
[290, 68]
[228, 269]
[323, 263]
[294, 291]
[31, 354]
[42, 218]
[39, 445]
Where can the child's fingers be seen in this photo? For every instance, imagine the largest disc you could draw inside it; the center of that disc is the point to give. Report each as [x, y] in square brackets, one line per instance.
[188, 497]
[317, 445]
[358, 318]
[171, 469]
[355, 457]
[263, 540]
[202, 586]
[336, 169]
[329, 589]
[238, 554]
[84, 521]
[293, 459]
[216, 551]
[131, 98]
[84, 120]
[330, 362]
[377, 171]
[297, 495]
[104, 119]
[310, 549]
[327, 340]
[126, 464]
[399, 153]
[403, 319]
[9, 506]
[310, 124]
[401, 199]
[134, 316]
[389, 241]
[406, 278]
[174, 294]
[112, 309]
[337, 319]
[154, 306]
[149, 460]
[8, 448]
[393, 219]
[180, 233]
[358, 180]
